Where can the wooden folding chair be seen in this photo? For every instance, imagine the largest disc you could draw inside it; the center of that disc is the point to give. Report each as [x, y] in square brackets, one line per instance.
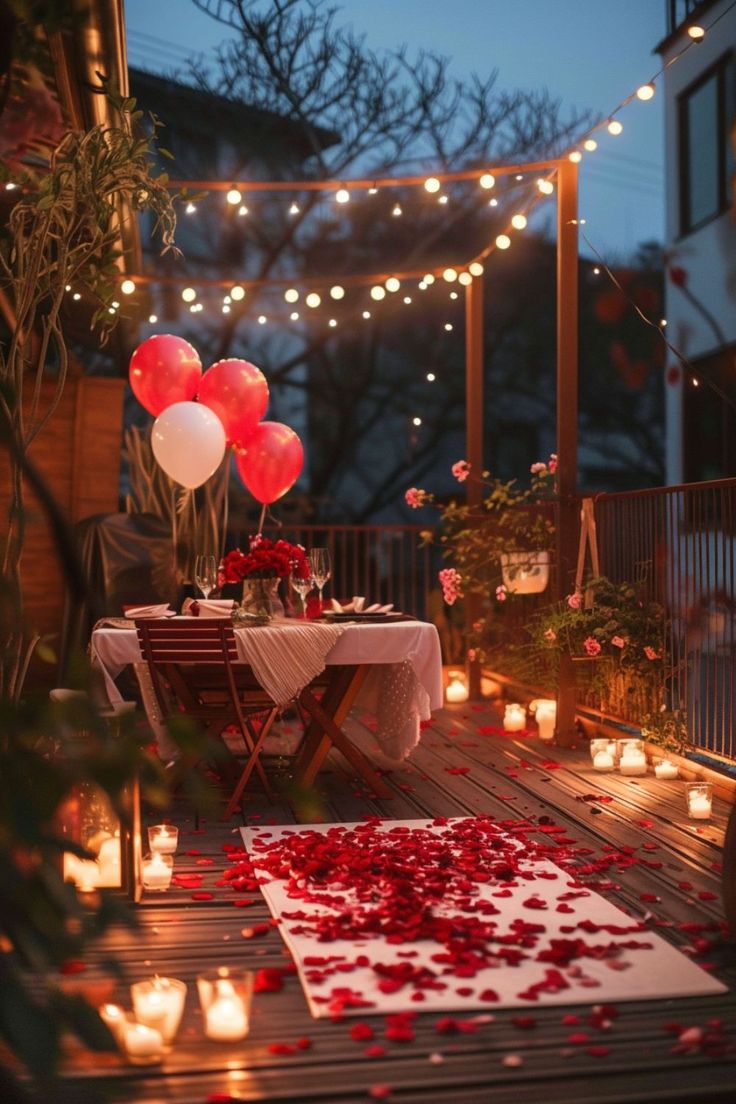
[195, 670]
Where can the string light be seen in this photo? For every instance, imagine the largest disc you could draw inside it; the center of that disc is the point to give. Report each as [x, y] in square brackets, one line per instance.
[10, 186]
[332, 323]
[295, 209]
[313, 300]
[291, 295]
[487, 181]
[590, 145]
[493, 203]
[450, 275]
[696, 32]
[227, 300]
[127, 287]
[337, 292]
[448, 327]
[432, 184]
[115, 304]
[428, 279]
[68, 287]
[407, 299]
[615, 127]
[294, 316]
[242, 210]
[233, 197]
[366, 314]
[416, 421]
[262, 320]
[596, 271]
[373, 190]
[225, 308]
[453, 295]
[575, 156]
[546, 187]
[431, 377]
[342, 195]
[645, 92]
[422, 285]
[190, 209]
[397, 212]
[519, 176]
[237, 293]
[503, 241]
[475, 269]
[465, 278]
[519, 222]
[189, 294]
[392, 284]
[378, 292]
[77, 296]
[152, 319]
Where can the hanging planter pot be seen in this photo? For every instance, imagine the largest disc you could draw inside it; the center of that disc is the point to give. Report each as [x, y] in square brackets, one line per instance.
[525, 572]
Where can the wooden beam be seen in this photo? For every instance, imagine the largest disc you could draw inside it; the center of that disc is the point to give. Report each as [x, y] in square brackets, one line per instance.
[567, 421]
[474, 435]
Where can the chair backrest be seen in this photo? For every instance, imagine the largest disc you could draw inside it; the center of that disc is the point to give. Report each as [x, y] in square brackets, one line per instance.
[187, 640]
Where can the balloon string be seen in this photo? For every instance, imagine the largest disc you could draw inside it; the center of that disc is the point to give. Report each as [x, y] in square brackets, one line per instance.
[262, 519]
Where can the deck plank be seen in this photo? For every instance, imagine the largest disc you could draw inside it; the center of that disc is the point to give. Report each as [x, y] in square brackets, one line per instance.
[507, 778]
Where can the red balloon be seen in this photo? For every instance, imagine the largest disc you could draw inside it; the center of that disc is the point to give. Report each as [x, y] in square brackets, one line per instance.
[164, 369]
[272, 461]
[237, 392]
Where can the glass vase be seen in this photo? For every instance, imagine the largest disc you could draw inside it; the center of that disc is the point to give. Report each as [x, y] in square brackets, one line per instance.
[261, 598]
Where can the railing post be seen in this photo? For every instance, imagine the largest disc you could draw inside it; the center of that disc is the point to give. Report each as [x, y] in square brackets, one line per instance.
[567, 522]
[473, 436]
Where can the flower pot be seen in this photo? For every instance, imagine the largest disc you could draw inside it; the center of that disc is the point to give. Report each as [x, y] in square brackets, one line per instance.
[525, 572]
[261, 597]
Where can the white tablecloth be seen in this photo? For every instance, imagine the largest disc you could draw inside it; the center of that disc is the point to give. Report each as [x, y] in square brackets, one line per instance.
[402, 689]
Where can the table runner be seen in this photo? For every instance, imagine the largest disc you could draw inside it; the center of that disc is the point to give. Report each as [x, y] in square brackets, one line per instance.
[454, 914]
[284, 671]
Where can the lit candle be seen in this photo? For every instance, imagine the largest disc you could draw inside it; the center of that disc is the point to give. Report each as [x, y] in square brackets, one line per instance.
[85, 873]
[456, 691]
[225, 1000]
[142, 1044]
[666, 769]
[159, 1003]
[546, 718]
[163, 838]
[633, 761]
[514, 717]
[108, 862]
[225, 1020]
[603, 761]
[602, 743]
[156, 872]
[114, 1016]
[700, 800]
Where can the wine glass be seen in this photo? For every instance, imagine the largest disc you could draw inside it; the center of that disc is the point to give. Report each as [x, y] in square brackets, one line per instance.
[302, 587]
[321, 568]
[205, 574]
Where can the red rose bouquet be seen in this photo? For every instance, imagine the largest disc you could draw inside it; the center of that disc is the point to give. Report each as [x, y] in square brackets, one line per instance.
[264, 559]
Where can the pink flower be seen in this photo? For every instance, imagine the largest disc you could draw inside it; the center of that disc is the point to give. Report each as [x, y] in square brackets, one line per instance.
[552, 463]
[573, 600]
[591, 645]
[550, 634]
[538, 468]
[461, 470]
[414, 498]
[650, 653]
[501, 593]
[451, 582]
[472, 653]
[618, 642]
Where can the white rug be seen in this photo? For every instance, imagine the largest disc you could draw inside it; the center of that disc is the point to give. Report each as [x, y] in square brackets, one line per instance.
[453, 915]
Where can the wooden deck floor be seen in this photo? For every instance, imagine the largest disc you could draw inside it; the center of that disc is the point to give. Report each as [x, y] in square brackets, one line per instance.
[501, 1062]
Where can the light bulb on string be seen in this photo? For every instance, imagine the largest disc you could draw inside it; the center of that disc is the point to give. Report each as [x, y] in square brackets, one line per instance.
[519, 222]
[493, 202]
[392, 284]
[378, 292]
[262, 320]
[465, 278]
[575, 156]
[225, 308]
[416, 421]
[503, 241]
[291, 295]
[696, 32]
[127, 287]
[332, 323]
[115, 304]
[546, 187]
[450, 275]
[432, 184]
[152, 319]
[453, 295]
[76, 296]
[428, 279]
[366, 314]
[337, 292]
[519, 176]
[313, 299]
[242, 210]
[189, 295]
[475, 268]
[422, 285]
[449, 327]
[397, 212]
[373, 190]
[233, 197]
[407, 299]
[590, 145]
[487, 180]
[645, 92]
[443, 199]
[190, 209]
[295, 209]
[294, 316]
[237, 293]
[227, 300]
[342, 195]
[615, 127]
[431, 377]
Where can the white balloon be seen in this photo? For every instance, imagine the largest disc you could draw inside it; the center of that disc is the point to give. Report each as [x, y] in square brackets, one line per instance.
[188, 442]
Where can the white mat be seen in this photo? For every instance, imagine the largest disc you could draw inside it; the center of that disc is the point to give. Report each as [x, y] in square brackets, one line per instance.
[334, 984]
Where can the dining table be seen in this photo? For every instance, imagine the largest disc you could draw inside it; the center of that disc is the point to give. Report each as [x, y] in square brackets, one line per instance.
[388, 669]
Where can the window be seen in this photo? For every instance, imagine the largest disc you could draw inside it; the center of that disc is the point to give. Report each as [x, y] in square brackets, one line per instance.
[706, 113]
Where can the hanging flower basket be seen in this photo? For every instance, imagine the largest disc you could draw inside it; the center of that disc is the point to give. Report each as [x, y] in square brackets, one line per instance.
[525, 572]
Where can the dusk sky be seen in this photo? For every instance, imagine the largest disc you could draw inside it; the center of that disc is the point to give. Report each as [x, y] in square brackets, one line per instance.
[592, 54]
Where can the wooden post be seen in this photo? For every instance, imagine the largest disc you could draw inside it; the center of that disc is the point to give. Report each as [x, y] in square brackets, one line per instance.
[567, 521]
[473, 436]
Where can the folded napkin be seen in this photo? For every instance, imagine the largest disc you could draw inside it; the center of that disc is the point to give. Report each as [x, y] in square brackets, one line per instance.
[161, 610]
[208, 607]
[357, 605]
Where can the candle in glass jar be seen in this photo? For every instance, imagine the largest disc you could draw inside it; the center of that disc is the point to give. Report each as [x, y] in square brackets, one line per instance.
[114, 1016]
[142, 1044]
[163, 838]
[603, 761]
[633, 762]
[546, 718]
[225, 999]
[456, 691]
[159, 1003]
[666, 769]
[156, 872]
[699, 800]
[514, 717]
